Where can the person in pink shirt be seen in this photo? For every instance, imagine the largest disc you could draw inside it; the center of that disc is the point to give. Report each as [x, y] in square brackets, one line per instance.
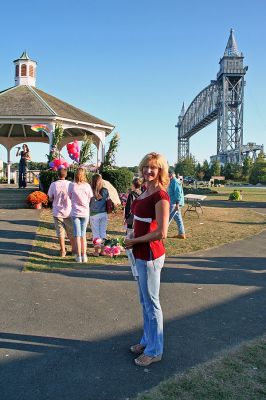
[58, 194]
[80, 193]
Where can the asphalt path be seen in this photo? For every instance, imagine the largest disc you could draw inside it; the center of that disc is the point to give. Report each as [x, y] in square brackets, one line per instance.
[66, 335]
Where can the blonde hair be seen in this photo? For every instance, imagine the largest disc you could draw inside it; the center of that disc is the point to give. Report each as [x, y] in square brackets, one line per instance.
[159, 161]
[80, 175]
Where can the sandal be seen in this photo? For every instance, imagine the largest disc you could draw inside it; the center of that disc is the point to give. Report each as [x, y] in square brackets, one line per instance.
[145, 361]
[137, 349]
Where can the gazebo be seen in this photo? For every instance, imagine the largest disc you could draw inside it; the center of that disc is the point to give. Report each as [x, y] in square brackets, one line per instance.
[23, 105]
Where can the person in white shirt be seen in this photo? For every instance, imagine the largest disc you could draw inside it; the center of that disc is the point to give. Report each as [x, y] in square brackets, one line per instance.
[80, 193]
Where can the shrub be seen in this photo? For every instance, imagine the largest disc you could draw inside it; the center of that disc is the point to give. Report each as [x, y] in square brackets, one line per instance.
[203, 191]
[120, 178]
[46, 178]
[235, 195]
[49, 176]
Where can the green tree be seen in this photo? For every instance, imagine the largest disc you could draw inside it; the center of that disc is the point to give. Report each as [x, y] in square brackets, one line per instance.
[216, 168]
[228, 171]
[247, 166]
[109, 159]
[120, 178]
[134, 169]
[236, 172]
[32, 165]
[186, 167]
[86, 151]
[206, 170]
[258, 171]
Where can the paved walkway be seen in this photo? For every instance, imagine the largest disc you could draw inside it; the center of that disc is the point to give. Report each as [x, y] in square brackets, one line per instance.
[66, 335]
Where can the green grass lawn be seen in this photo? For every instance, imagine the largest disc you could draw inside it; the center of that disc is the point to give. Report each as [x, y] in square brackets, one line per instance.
[216, 226]
[250, 194]
[239, 374]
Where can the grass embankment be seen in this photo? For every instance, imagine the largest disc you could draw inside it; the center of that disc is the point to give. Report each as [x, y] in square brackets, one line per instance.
[218, 225]
[239, 374]
[250, 194]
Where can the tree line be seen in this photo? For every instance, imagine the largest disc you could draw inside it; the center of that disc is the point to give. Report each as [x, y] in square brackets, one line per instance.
[247, 172]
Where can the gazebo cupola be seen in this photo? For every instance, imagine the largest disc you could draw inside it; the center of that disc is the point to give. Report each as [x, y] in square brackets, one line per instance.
[25, 70]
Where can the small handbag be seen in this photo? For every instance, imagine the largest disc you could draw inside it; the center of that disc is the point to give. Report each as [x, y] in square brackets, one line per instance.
[109, 206]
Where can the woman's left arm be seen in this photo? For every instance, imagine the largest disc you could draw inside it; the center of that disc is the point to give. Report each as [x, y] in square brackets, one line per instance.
[162, 218]
[28, 157]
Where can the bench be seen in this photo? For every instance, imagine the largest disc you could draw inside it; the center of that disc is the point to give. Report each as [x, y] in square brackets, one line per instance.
[194, 202]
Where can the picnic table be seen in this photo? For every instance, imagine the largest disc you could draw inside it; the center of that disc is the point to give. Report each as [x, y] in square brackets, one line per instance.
[194, 202]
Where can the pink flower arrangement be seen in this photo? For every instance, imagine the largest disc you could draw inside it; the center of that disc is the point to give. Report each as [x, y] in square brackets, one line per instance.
[113, 247]
[116, 250]
[112, 251]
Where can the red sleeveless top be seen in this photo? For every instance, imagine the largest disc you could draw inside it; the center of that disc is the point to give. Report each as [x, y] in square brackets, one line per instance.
[145, 208]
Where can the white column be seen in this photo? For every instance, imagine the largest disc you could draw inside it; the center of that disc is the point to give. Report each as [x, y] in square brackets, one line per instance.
[8, 166]
[50, 135]
[103, 151]
[98, 156]
[101, 146]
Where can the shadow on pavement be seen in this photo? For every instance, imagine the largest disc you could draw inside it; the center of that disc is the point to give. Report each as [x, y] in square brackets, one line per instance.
[57, 368]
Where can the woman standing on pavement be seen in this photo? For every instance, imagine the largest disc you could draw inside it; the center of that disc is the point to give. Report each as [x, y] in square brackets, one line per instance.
[80, 194]
[151, 216]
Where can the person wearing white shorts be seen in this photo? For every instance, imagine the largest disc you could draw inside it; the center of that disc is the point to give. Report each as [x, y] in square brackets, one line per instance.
[98, 213]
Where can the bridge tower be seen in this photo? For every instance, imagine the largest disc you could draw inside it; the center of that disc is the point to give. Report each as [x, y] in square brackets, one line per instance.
[230, 84]
[183, 143]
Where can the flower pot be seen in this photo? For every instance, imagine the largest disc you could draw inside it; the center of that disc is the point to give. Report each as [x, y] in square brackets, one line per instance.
[38, 206]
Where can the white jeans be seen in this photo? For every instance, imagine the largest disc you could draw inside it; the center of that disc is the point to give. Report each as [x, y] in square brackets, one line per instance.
[99, 225]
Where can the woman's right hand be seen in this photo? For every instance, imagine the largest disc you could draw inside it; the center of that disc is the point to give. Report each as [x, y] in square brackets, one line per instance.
[129, 243]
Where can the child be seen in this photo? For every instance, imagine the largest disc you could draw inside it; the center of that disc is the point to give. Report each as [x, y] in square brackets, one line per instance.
[98, 219]
[133, 194]
[58, 194]
[80, 194]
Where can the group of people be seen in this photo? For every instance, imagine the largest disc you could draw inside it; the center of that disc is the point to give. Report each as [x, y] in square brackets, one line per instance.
[147, 213]
[74, 205]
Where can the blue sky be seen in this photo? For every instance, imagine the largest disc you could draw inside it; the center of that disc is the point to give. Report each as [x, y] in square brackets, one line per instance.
[133, 63]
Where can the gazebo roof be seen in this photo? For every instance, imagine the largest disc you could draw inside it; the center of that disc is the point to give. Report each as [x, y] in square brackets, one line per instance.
[28, 101]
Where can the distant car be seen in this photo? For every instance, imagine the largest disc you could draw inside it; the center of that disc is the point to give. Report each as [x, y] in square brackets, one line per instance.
[189, 180]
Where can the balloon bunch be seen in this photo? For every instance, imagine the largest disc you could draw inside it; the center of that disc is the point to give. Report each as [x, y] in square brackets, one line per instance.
[58, 163]
[73, 150]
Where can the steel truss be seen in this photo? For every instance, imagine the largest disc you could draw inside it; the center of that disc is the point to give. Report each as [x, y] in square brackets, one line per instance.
[230, 118]
[223, 100]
